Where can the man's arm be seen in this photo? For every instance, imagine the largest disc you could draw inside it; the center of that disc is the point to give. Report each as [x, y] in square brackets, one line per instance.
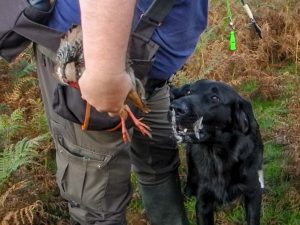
[106, 26]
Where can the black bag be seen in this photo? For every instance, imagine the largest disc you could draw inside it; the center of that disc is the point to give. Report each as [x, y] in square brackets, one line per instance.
[67, 102]
[22, 22]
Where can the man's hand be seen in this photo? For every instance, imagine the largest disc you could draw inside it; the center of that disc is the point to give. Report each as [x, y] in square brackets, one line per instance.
[105, 93]
[106, 27]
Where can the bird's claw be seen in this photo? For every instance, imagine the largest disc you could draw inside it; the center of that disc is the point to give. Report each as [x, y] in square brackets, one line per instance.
[144, 129]
[125, 134]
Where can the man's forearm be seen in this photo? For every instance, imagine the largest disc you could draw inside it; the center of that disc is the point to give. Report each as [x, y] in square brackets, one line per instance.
[106, 27]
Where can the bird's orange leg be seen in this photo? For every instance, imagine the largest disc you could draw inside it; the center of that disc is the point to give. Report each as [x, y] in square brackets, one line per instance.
[125, 134]
[86, 121]
[144, 129]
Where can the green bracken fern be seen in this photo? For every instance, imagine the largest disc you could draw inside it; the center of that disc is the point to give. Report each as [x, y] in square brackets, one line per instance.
[21, 153]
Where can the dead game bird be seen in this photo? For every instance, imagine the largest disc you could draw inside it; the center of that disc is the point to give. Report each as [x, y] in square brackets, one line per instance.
[70, 67]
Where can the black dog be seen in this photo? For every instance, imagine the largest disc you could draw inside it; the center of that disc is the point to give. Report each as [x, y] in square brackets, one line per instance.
[224, 147]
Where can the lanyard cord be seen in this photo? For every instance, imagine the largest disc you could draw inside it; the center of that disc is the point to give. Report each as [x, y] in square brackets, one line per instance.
[232, 46]
[229, 14]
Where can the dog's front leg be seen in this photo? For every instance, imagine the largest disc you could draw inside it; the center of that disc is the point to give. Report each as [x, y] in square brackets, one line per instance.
[192, 175]
[204, 216]
[253, 207]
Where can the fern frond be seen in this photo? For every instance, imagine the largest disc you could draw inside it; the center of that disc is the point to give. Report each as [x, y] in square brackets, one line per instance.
[48, 216]
[58, 206]
[15, 187]
[4, 66]
[10, 125]
[21, 68]
[17, 115]
[39, 121]
[21, 87]
[35, 213]
[24, 216]
[15, 118]
[19, 154]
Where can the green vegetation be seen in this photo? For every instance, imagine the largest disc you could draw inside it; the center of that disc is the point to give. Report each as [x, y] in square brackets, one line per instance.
[22, 69]
[22, 153]
[266, 72]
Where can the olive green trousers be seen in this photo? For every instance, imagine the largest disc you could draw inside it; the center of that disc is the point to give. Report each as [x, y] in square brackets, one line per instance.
[94, 167]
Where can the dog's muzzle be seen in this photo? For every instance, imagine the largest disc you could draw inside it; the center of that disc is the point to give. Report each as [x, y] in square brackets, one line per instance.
[186, 134]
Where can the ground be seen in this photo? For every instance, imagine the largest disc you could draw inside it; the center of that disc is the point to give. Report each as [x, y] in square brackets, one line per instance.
[266, 71]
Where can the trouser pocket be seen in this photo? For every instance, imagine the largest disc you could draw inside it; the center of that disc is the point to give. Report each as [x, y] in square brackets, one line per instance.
[81, 179]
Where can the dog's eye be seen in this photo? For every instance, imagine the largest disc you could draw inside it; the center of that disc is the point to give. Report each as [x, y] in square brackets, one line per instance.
[215, 98]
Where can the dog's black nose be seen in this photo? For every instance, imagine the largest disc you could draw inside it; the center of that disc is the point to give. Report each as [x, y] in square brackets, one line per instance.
[180, 108]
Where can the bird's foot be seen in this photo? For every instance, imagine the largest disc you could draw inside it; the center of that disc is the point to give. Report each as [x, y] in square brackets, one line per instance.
[124, 113]
[144, 129]
[123, 116]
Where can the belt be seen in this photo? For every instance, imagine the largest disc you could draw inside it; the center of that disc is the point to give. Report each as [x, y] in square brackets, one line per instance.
[152, 84]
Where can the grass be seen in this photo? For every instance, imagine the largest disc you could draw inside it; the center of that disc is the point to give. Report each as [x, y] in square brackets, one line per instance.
[269, 113]
[136, 205]
[277, 187]
[277, 208]
[249, 87]
[254, 69]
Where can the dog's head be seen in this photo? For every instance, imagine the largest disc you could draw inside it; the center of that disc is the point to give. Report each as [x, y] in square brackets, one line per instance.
[201, 109]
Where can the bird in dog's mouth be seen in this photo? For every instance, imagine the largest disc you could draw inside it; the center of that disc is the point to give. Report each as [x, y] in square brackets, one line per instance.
[189, 133]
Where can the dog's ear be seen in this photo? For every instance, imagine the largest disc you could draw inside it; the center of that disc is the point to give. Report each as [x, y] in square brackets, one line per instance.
[243, 116]
[179, 92]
